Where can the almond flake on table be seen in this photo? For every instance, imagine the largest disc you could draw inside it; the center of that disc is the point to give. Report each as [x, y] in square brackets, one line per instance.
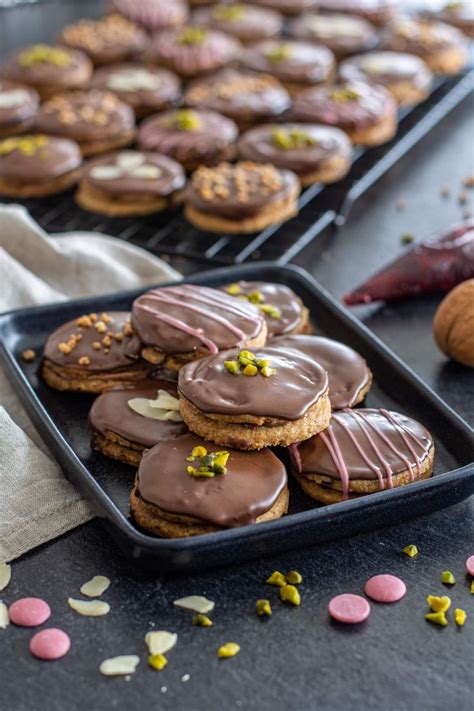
[123, 665]
[89, 608]
[4, 616]
[160, 642]
[5, 575]
[96, 586]
[195, 603]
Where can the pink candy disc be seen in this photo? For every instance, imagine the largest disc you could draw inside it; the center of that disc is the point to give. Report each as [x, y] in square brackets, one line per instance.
[470, 566]
[385, 588]
[50, 644]
[29, 612]
[350, 609]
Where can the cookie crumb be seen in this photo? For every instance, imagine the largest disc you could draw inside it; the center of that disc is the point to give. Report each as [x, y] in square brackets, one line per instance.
[28, 355]
[186, 677]
[468, 182]
[400, 204]
[463, 198]
[84, 360]
[445, 191]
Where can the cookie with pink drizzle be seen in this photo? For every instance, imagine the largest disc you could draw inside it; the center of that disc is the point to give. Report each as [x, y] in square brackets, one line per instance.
[152, 15]
[361, 452]
[177, 324]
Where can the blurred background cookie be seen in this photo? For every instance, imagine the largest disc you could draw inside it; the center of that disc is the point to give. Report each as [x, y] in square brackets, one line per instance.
[249, 23]
[343, 34]
[37, 165]
[110, 39]
[18, 107]
[49, 69]
[97, 120]
[288, 7]
[459, 14]
[379, 12]
[130, 183]
[193, 137]
[152, 15]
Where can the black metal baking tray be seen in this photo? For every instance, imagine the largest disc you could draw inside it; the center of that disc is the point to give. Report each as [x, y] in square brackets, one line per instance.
[61, 419]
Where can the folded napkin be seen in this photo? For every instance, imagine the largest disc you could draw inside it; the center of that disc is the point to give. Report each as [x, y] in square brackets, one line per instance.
[36, 502]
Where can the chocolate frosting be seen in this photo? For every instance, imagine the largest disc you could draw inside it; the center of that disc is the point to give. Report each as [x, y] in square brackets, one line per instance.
[240, 190]
[150, 88]
[189, 59]
[241, 95]
[371, 105]
[364, 444]
[85, 116]
[347, 371]
[45, 73]
[300, 62]
[460, 14]
[170, 178]
[343, 34]
[121, 353]
[56, 157]
[246, 22]
[259, 144]
[377, 11]
[386, 68]
[17, 103]
[186, 318]
[297, 384]
[111, 413]
[289, 304]
[109, 39]
[212, 134]
[249, 489]
[423, 36]
[152, 14]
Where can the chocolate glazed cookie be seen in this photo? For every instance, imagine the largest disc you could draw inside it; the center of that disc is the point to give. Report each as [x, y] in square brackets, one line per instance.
[379, 12]
[361, 452]
[152, 15]
[315, 153]
[125, 422]
[343, 34]
[93, 353]
[367, 113]
[18, 106]
[191, 137]
[254, 399]
[349, 375]
[458, 14]
[241, 198]
[246, 22]
[182, 323]
[174, 496]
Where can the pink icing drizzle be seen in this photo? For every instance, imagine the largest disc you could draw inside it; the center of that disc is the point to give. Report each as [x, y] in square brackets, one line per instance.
[233, 308]
[403, 434]
[366, 459]
[336, 454]
[181, 326]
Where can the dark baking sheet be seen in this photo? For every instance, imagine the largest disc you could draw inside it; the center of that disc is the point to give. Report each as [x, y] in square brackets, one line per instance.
[61, 419]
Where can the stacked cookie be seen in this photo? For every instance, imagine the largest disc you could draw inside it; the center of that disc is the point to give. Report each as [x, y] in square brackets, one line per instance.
[284, 88]
[216, 394]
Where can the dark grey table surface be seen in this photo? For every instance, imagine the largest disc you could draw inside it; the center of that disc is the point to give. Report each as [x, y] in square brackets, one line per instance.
[297, 659]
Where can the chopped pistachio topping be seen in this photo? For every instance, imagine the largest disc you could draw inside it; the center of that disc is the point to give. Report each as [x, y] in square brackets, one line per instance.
[192, 35]
[411, 551]
[157, 661]
[448, 578]
[289, 593]
[230, 649]
[295, 138]
[344, 94]
[437, 618]
[460, 616]
[256, 298]
[232, 12]
[208, 465]
[27, 145]
[263, 607]
[279, 53]
[276, 578]
[439, 604]
[186, 120]
[456, 5]
[407, 238]
[269, 310]
[248, 364]
[233, 289]
[201, 620]
[44, 54]
[294, 577]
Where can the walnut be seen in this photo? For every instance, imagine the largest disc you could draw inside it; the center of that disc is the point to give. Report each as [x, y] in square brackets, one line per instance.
[453, 324]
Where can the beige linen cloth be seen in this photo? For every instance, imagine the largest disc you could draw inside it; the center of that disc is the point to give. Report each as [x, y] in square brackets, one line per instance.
[36, 502]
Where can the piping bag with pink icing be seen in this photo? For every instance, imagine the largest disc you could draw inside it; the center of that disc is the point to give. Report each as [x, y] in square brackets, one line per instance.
[187, 318]
[364, 444]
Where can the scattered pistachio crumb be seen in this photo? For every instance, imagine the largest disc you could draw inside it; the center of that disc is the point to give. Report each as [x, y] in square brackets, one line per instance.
[28, 355]
[448, 578]
[472, 587]
[263, 607]
[230, 649]
[289, 593]
[276, 578]
[201, 620]
[439, 604]
[460, 616]
[406, 238]
[437, 618]
[157, 661]
[294, 577]
[411, 551]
